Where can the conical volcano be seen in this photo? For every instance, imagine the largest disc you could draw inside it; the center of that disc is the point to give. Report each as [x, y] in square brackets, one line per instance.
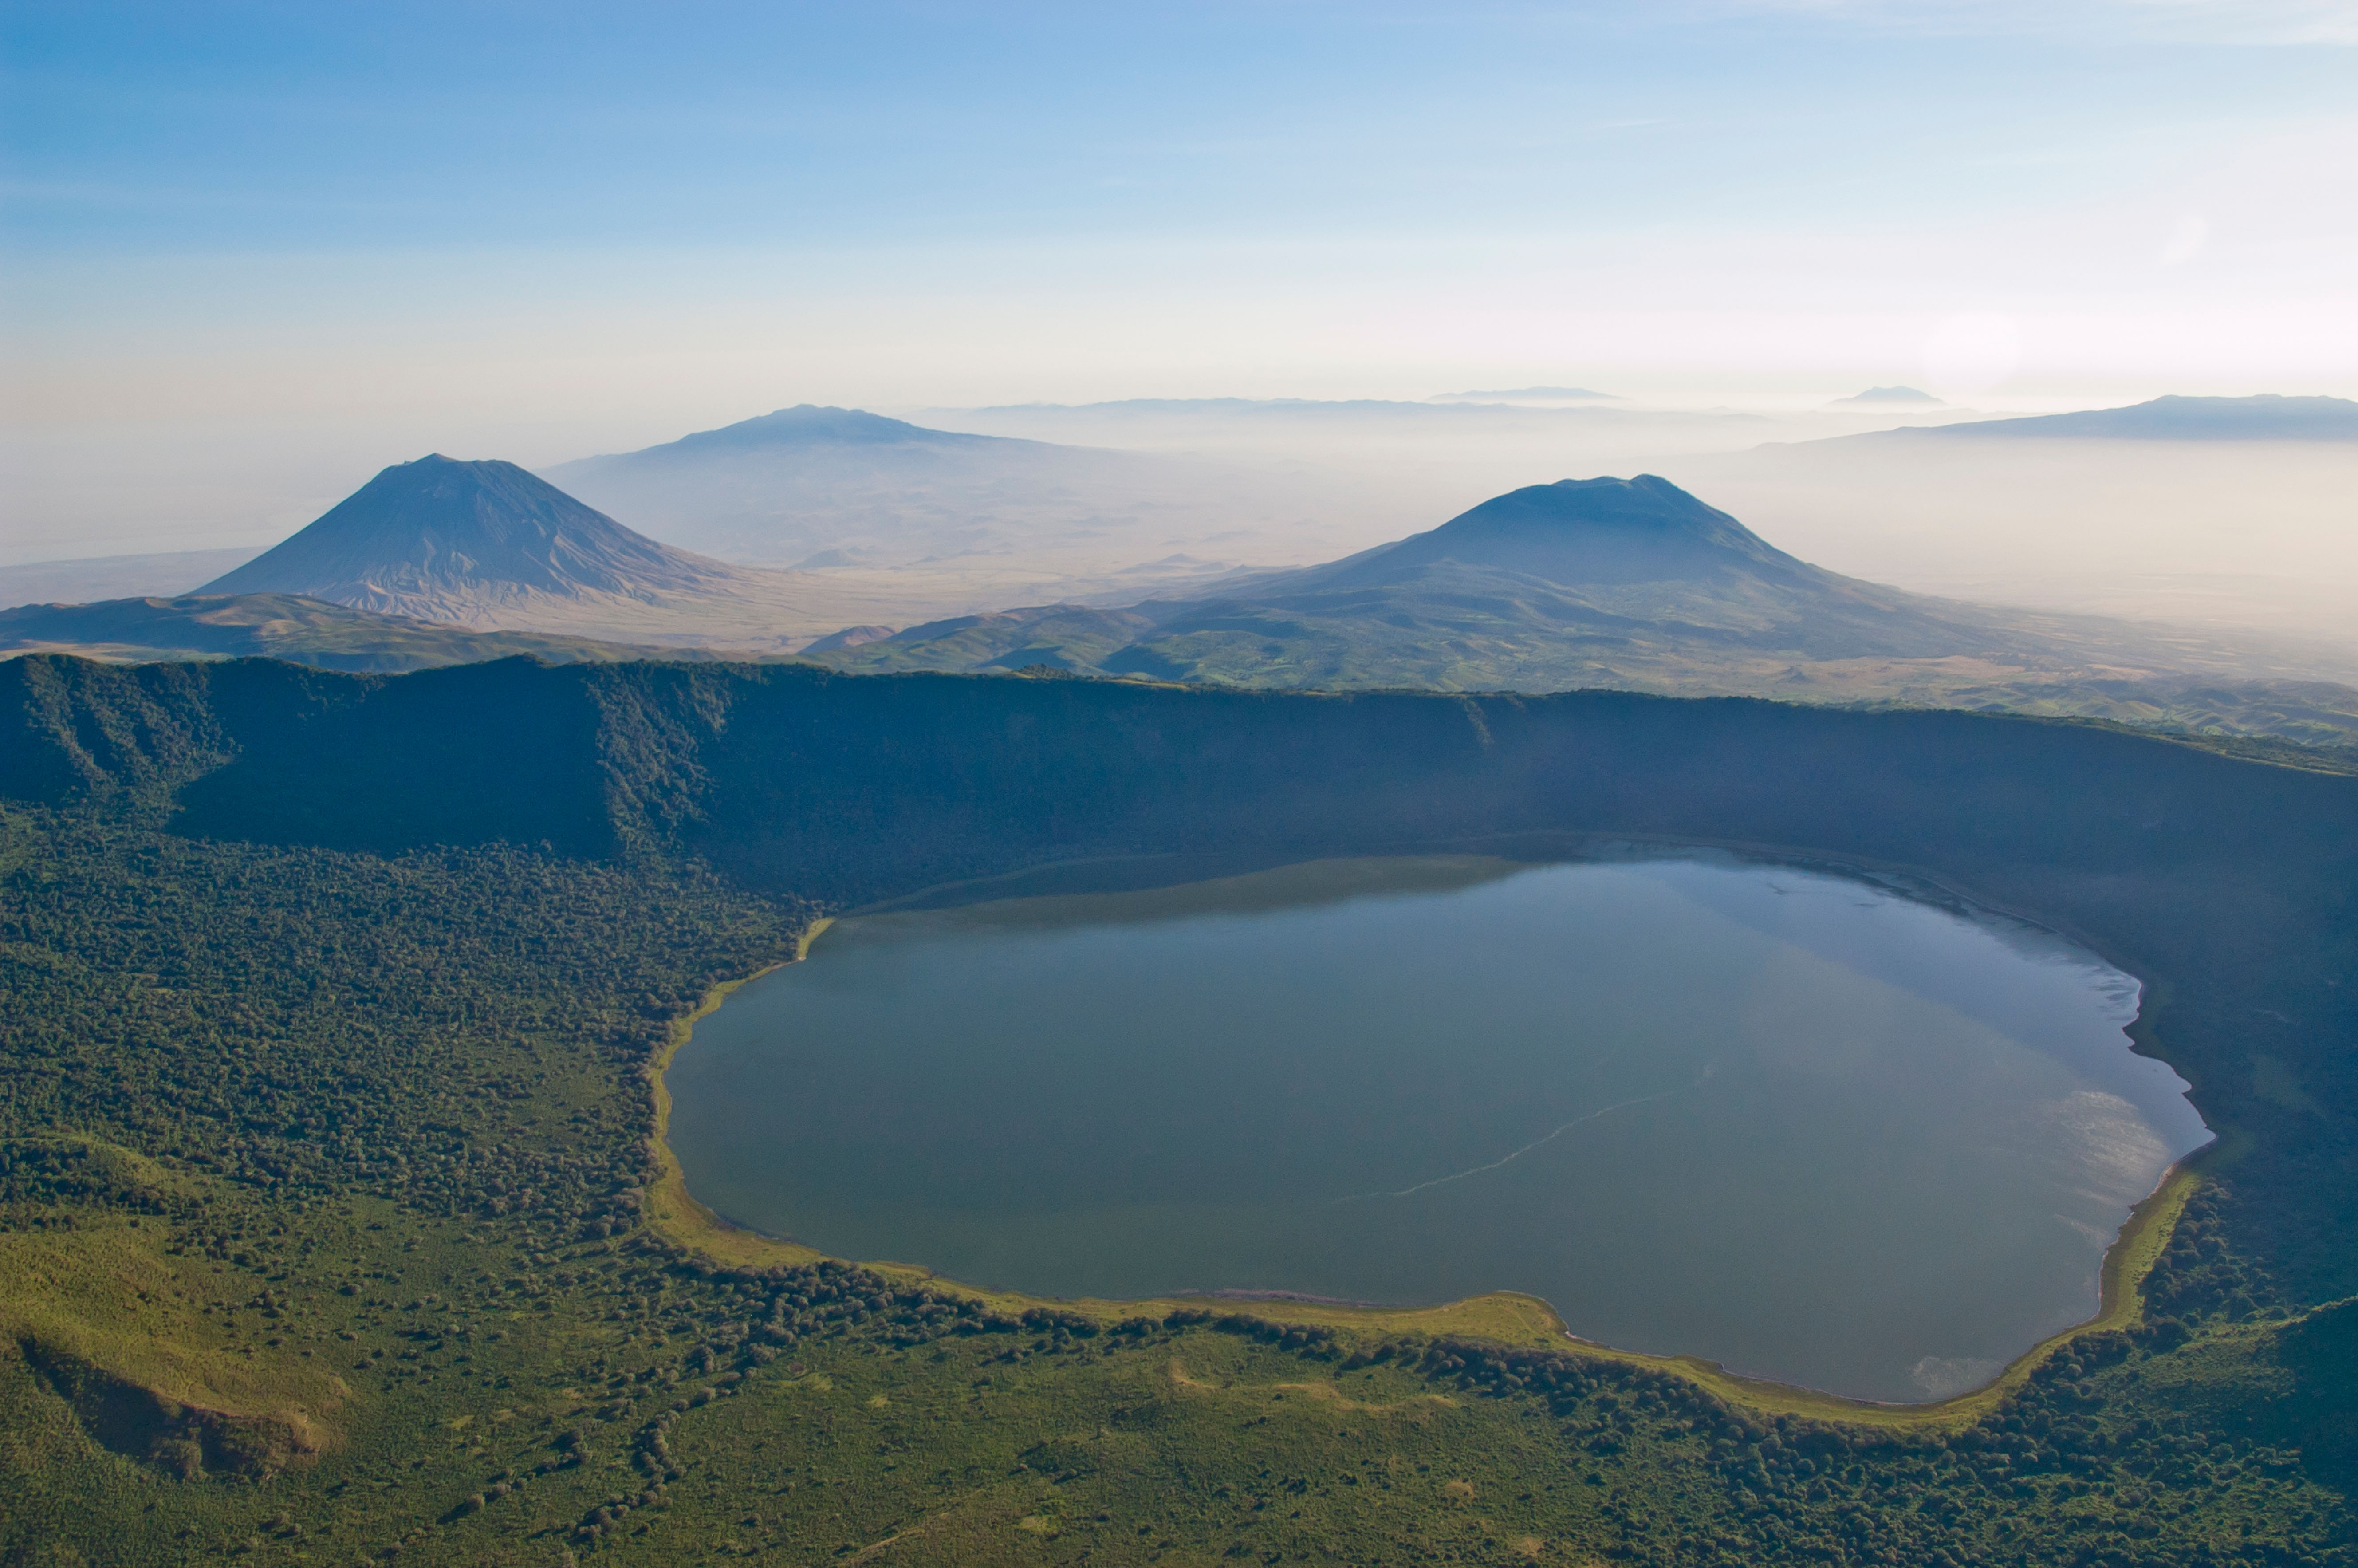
[810, 425]
[1616, 582]
[1582, 531]
[452, 541]
[835, 488]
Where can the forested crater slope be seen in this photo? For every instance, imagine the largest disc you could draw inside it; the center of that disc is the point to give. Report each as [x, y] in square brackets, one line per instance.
[324, 976]
[864, 785]
[2228, 882]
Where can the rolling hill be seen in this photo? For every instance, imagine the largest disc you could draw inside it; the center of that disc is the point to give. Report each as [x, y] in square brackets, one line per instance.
[2265, 417]
[1632, 584]
[284, 626]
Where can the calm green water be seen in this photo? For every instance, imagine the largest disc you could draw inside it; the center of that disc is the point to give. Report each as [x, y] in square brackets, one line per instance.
[1796, 1122]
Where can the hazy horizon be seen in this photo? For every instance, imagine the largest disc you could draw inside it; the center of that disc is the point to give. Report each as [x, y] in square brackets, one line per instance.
[82, 493]
[252, 258]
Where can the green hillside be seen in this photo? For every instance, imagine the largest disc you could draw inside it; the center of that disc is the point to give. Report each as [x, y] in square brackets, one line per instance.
[335, 1231]
[284, 626]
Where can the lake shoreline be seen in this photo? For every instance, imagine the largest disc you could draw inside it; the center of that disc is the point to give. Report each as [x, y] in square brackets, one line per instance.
[1510, 1317]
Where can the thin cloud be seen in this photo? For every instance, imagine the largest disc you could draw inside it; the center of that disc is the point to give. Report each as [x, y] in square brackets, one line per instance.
[2249, 22]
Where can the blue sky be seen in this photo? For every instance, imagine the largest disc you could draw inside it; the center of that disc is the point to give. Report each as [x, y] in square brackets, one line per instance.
[179, 129]
[562, 227]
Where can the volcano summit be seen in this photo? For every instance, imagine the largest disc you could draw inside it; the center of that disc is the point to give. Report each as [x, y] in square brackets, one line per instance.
[445, 540]
[487, 545]
[1629, 583]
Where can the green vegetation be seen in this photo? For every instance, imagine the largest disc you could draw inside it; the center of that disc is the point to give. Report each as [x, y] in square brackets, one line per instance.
[284, 626]
[332, 1230]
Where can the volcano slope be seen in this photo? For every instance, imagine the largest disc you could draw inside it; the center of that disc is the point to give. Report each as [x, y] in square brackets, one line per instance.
[842, 488]
[339, 1226]
[1636, 585]
[486, 545]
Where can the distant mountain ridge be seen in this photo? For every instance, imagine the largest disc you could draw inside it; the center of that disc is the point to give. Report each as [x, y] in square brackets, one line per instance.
[1882, 398]
[832, 488]
[2266, 417]
[1528, 394]
[1317, 408]
[804, 425]
[800, 427]
[163, 575]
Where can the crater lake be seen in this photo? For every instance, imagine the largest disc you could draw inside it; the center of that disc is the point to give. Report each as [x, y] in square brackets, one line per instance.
[1821, 1126]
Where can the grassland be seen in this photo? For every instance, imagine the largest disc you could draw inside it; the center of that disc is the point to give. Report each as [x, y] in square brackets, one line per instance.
[282, 626]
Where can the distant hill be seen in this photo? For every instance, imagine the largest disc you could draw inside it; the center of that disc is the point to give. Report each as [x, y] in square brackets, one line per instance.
[1595, 531]
[824, 487]
[1584, 583]
[1528, 395]
[94, 578]
[284, 626]
[805, 425]
[1367, 470]
[1626, 583]
[2100, 512]
[1450, 413]
[1381, 451]
[1882, 398]
[849, 637]
[2266, 417]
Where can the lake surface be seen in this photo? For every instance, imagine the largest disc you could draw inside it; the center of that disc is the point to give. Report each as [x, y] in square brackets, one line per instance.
[1804, 1123]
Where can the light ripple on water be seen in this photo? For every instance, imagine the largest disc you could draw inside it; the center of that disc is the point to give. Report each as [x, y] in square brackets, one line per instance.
[1863, 1114]
[1519, 1153]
